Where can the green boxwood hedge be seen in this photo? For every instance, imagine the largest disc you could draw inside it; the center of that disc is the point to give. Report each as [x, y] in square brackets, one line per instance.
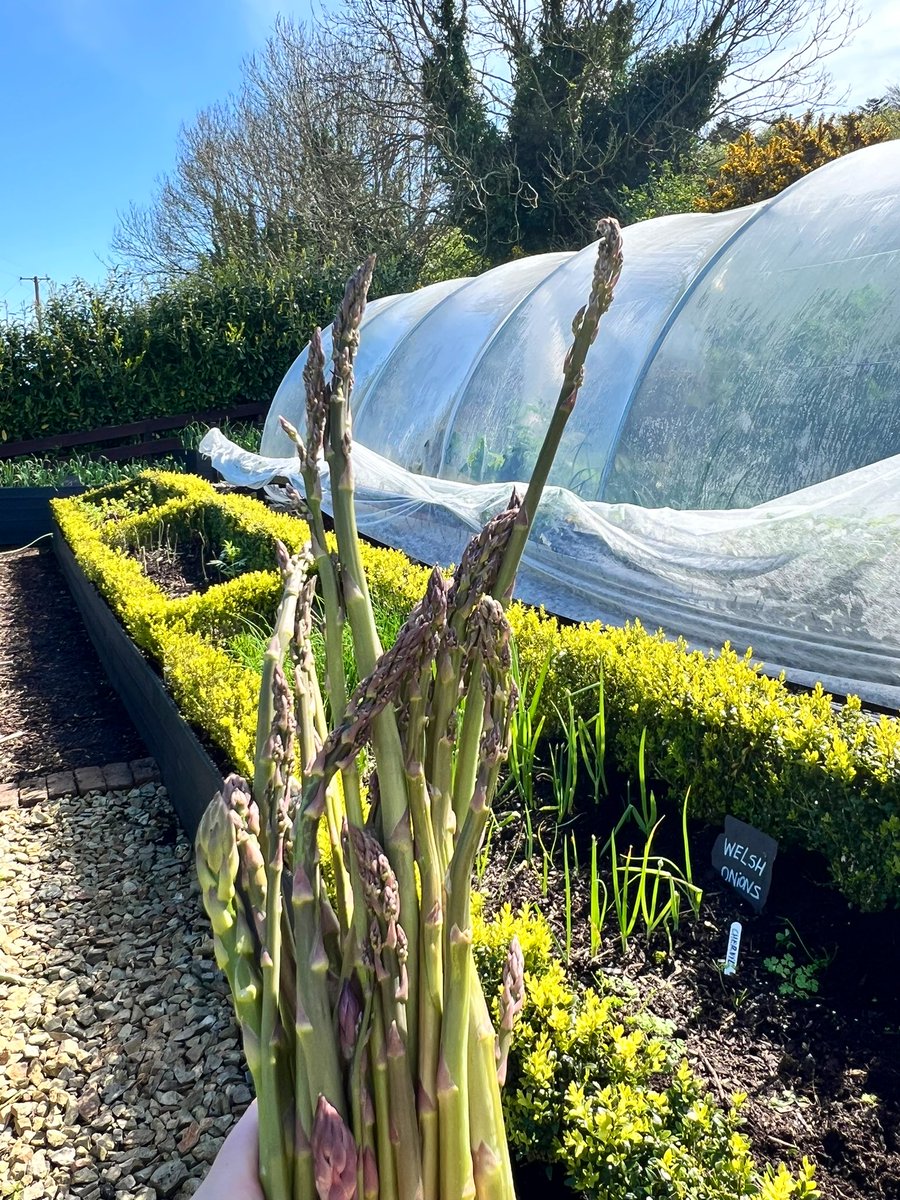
[823, 778]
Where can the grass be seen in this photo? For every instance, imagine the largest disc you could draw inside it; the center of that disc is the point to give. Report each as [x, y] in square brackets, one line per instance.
[95, 470]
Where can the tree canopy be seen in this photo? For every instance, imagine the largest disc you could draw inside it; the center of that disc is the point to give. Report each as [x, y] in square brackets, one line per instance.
[516, 123]
[314, 162]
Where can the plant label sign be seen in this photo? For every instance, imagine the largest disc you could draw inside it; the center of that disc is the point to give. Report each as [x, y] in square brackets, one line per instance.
[734, 948]
[744, 858]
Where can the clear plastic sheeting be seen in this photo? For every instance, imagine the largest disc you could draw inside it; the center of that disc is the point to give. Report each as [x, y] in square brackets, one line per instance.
[782, 365]
[808, 581]
[732, 468]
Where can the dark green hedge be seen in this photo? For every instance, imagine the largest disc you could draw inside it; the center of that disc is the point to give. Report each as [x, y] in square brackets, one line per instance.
[104, 357]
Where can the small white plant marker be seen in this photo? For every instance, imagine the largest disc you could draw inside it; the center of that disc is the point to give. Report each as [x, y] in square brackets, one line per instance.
[734, 946]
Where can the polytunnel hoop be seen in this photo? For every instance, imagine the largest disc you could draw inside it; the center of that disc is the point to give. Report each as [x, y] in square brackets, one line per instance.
[674, 313]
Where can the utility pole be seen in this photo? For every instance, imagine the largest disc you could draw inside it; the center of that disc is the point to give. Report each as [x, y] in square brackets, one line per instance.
[36, 280]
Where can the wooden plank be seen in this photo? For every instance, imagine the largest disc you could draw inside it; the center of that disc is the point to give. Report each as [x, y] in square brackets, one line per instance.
[190, 775]
[111, 433]
[142, 449]
[25, 512]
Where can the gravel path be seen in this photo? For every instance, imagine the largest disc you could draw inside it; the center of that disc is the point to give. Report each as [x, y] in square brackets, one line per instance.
[120, 1067]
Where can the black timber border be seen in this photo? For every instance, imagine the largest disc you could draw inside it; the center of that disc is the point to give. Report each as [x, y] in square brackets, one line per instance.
[190, 775]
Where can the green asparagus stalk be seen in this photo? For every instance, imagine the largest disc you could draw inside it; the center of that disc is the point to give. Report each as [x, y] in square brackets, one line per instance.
[607, 269]
[366, 1029]
[367, 647]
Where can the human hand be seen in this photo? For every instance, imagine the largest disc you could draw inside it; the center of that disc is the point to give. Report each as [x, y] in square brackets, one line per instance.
[235, 1173]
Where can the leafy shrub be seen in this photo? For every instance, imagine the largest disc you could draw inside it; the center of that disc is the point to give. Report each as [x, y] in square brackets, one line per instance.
[810, 775]
[215, 339]
[104, 356]
[209, 687]
[760, 165]
[825, 779]
[617, 1107]
[669, 190]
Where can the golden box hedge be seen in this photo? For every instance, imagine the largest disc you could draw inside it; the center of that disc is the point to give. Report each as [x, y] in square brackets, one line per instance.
[804, 771]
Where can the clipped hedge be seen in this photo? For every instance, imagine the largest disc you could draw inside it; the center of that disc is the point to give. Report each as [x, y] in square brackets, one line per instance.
[212, 690]
[104, 356]
[813, 776]
[591, 1090]
[827, 780]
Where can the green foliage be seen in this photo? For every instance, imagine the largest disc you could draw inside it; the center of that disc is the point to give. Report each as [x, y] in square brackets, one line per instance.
[105, 357]
[186, 637]
[542, 179]
[31, 471]
[246, 434]
[230, 561]
[810, 775]
[797, 969]
[759, 165]
[591, 1089]
[670, 190]
[450, 255]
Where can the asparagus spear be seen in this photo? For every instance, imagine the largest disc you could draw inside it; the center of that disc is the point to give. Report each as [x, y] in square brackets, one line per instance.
[377, 1067]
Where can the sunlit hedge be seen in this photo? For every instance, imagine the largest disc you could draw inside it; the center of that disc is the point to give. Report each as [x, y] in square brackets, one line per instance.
[824, 778]
[104, 356]
[615, 1106]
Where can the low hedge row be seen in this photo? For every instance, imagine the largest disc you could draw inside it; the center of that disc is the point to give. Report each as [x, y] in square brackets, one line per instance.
[822, 778]
[606, 1094]
[589, 1089]
[185, 636]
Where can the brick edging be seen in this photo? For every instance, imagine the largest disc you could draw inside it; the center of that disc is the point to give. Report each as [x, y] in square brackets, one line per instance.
[118, 776]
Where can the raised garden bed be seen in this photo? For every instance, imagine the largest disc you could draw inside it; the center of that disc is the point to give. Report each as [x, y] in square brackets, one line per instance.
[190, 775]
[25, 512]
[802, 1056]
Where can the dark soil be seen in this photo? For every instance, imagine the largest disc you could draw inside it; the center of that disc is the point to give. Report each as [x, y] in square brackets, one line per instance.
[57, 709]
[179, 568]
[822, 1073]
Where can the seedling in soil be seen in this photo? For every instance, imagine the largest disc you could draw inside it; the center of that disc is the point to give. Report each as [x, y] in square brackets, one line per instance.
[798, 979]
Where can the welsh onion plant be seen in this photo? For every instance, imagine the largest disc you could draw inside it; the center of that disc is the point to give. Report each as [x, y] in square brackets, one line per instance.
[564, 758]
[567, 889]
[548, 855]
[592, 743]
[648, 889]
[598, 910]
[31, 471]
[646, 816]
[376, 1065]
[495, 824]
[525, 733]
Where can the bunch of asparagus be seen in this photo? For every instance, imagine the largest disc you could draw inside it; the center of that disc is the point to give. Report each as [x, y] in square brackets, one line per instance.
[376, 1065]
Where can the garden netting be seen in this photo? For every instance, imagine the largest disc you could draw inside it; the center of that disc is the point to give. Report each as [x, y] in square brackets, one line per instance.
[732, 468]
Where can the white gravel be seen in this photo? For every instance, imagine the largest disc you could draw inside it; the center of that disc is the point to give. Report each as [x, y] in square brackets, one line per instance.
[120, 1063]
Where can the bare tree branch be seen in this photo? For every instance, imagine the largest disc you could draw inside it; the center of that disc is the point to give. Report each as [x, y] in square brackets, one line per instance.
[321, 154]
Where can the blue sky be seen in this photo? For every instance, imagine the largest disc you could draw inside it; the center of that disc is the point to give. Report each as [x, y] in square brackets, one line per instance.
[93, 93]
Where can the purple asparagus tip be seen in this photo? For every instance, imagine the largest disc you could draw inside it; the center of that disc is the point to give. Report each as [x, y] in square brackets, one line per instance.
[334, 1154]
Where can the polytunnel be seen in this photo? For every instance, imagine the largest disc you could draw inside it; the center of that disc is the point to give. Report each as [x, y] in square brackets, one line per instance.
[731, 471]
